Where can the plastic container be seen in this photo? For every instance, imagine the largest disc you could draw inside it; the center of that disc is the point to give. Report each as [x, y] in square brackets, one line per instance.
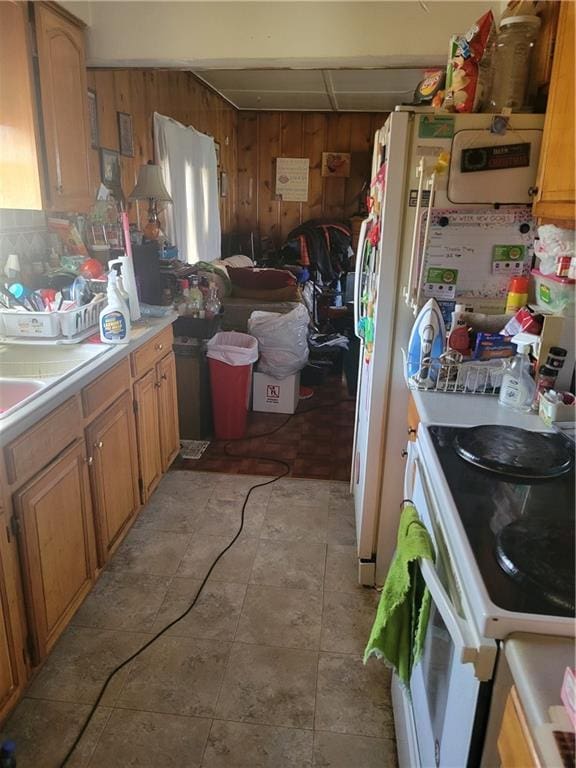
[511, 63]
[517, 295]
[230, 358]
[554, 294]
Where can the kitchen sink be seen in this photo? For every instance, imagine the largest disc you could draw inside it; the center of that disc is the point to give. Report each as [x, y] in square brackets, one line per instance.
[39, 362]
[15, 392]
[28, 370]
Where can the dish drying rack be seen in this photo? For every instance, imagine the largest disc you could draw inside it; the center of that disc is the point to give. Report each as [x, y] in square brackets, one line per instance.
[68, 326]
[450, 373]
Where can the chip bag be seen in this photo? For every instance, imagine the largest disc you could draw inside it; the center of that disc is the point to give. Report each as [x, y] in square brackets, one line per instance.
[469, 70]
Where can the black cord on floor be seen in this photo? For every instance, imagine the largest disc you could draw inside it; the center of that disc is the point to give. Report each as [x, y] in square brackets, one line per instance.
[284, 473]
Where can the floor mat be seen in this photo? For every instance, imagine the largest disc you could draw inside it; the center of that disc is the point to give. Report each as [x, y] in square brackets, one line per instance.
[193, 449]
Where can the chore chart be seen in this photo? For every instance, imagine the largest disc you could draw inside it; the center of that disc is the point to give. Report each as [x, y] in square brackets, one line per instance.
[475, 252]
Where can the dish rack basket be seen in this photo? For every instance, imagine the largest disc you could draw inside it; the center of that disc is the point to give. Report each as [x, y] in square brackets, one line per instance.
[67, 323]
[450, 373]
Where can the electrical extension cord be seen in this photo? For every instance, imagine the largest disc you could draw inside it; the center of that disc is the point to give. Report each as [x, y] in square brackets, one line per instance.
[159, 634]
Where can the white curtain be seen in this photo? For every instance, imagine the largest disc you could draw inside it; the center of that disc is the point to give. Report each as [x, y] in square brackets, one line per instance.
[188, 161]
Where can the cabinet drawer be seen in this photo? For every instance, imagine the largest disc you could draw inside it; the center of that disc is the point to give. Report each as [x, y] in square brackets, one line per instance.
[150, 353]
[36, 448]
[106, 388]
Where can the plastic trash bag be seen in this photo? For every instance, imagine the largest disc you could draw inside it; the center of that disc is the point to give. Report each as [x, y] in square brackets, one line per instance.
[282, 340]
[233, 348]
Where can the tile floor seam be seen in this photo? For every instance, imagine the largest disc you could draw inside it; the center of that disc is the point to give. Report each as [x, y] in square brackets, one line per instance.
[93, 752]
[206, 742]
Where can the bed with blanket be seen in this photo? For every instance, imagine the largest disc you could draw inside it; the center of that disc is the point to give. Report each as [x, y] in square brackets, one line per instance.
[245, 288]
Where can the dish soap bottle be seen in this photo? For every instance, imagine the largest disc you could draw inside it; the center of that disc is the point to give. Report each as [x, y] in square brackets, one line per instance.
[114, 321]
[518, 386]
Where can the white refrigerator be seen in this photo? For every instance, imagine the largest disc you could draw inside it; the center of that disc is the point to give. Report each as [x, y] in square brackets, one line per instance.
[421, 161]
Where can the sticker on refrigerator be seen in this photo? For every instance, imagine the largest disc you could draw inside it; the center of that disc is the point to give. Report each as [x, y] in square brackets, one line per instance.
[495, 158]
[413, 197]
[436, 127]
[440, 283]
[508, 259]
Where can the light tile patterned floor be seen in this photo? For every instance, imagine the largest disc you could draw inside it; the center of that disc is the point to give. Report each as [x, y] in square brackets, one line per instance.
[265, 672]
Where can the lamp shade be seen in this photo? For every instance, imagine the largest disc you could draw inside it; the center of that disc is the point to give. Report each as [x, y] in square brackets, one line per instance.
[150, 185]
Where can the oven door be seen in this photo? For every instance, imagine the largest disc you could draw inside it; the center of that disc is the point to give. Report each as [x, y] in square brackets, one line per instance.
[448, 686]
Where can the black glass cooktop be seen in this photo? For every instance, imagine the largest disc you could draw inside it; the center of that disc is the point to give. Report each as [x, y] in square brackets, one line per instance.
[521, 531]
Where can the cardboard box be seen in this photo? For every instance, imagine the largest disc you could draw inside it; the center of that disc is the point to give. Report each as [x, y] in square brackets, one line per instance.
[275, 395]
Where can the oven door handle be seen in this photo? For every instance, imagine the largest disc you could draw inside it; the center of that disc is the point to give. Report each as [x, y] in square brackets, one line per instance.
[471, 648]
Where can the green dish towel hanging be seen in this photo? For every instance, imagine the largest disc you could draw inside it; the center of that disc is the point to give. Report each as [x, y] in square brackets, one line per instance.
[399, 629]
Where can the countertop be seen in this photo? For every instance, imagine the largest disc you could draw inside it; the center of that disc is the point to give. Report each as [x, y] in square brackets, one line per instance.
[537, 664]
[458, 410]
[47, 399]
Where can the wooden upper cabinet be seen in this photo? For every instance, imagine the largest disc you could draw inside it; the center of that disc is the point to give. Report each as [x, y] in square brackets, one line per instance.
[556, 196]
[20, 169]
[63, 89]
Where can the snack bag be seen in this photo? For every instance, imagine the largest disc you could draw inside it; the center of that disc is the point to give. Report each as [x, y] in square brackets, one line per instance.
[467, 86]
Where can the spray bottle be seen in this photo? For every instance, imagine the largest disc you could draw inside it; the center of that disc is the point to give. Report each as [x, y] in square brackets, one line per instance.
[114, 321]
[120, 284]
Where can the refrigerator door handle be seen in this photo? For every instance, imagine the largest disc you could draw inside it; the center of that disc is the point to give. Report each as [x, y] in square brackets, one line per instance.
[358, 276]
[425, 241]
[409, 290]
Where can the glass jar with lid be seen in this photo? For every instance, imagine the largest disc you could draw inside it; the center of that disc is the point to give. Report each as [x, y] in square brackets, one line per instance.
[511, 61]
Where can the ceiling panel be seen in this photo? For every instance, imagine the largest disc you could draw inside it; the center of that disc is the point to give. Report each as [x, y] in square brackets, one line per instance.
[281, 101]
[301, 80]
[364, 90]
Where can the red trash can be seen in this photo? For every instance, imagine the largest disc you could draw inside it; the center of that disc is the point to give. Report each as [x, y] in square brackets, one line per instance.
[230, 358]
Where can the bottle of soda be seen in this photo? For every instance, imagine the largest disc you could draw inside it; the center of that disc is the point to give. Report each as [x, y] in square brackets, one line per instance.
[7, 754]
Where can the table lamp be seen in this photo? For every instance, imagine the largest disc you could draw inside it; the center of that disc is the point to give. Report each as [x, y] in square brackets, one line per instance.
[150, 186]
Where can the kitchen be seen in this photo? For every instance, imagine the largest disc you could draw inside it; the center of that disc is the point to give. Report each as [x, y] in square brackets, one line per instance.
[80, 402]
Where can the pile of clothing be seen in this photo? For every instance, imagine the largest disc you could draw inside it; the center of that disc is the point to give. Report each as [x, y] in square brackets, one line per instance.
[323, 245]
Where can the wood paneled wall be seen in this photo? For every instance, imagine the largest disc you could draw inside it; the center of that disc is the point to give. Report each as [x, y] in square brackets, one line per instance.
[264, 136]
[175, 94]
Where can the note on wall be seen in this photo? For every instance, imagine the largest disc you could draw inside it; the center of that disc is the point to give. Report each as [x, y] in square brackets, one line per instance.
[292, 178]
[475, 252]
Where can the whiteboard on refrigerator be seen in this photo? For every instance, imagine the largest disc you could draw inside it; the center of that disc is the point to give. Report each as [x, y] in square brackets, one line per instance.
[475, 253]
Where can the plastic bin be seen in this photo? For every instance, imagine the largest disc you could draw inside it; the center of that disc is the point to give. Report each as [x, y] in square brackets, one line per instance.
[555, 294]
[230, 358]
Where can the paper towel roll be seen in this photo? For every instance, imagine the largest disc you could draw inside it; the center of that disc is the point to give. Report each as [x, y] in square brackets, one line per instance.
[129, 280]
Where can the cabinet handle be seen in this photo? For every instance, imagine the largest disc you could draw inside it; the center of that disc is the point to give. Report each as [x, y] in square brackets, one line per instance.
[411, 431]
[59, 189]
[89, 460]
[403, 453]
[99, 444]
[164, 376]
[159, 347]
[157, 384]
[532, 191]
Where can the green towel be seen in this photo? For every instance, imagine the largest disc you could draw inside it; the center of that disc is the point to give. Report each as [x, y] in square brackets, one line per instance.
[402, 617]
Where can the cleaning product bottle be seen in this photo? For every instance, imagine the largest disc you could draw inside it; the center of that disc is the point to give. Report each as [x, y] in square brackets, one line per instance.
[195, 298]
[114, 321]
[120, 284]
[7, 756]
[518, 387]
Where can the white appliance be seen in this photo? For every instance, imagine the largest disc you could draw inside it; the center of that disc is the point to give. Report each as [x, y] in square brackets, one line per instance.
[409, 153]
[459, 689]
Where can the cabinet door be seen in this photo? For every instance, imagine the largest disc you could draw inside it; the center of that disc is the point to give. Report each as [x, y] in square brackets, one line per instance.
[12, 666]
[64, 109]
[54, 517]
[147, 430]
[168, 410]
[556, 184]
[111, 443]
[20, 185]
